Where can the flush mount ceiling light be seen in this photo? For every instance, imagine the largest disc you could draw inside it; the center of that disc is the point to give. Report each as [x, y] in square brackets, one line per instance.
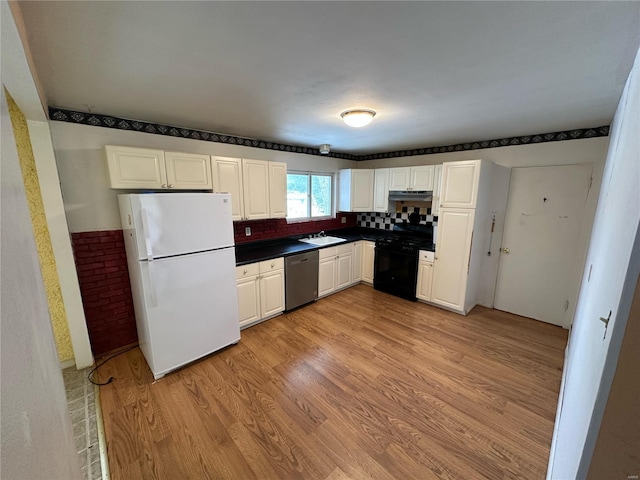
[358, 118]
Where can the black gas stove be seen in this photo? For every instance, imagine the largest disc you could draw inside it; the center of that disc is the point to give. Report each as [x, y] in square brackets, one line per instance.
[396, 260]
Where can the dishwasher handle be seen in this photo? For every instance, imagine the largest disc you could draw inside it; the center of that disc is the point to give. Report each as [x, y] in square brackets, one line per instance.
[296, 262]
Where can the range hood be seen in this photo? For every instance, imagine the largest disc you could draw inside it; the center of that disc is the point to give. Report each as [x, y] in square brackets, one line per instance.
[416, 196]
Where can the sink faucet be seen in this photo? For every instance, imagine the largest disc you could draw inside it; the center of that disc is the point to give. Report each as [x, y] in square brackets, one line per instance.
[321, 234]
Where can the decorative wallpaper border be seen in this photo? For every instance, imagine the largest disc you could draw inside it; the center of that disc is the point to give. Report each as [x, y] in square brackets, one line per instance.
[108, 121]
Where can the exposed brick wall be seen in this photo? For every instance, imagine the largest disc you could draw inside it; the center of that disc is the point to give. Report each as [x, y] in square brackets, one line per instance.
[278, 227]
[101, 262]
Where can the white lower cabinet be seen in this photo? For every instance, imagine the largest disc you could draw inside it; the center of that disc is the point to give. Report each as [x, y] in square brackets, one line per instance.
[425, 275]
[368, 256]
[357, 262]
[335, 268]
[260, 291]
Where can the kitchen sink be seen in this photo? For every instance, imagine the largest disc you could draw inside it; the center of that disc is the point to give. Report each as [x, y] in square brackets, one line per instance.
[322, 241]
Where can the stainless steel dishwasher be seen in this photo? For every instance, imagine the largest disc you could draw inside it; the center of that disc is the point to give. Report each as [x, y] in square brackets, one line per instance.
[301, 279]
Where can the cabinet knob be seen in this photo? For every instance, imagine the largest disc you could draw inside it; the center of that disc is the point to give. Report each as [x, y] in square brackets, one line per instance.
[164, 185]
[244, 272]
[272, 265]
[171, 186]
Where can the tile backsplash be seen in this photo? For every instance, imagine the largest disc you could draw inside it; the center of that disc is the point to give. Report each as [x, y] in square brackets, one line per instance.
[385, 221]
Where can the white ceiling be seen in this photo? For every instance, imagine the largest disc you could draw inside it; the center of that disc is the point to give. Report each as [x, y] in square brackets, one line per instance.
[437, 73]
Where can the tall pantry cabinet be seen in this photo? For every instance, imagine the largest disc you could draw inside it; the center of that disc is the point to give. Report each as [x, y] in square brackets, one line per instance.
[464, 225]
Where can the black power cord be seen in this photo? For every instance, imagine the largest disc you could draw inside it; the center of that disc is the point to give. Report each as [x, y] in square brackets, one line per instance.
[111, 379]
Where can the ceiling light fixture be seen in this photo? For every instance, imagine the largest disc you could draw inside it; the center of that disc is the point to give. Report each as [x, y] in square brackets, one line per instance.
[358, 118]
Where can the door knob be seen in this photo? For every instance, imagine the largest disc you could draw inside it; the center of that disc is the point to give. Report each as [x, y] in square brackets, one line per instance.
[505, 251]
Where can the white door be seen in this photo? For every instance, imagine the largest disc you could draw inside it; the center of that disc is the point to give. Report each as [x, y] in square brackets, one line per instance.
[357, 262]
[326, 276]
[399, 178]
[277, 190]
[425, 276]
[188, 171]
[381, 190]
[227, 178]
[248, 300]
[272, 293]
[136, 167]
[422, 177]
[368, 257]
[177, 223]
[362, 190]
[192, 306]
[544, 216]
[345, 265]
[255, 179]
[451, 266]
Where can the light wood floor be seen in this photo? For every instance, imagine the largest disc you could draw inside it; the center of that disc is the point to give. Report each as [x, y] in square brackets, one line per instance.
[358, 385]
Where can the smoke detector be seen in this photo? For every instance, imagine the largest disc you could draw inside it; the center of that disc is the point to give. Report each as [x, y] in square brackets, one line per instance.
[325, 149]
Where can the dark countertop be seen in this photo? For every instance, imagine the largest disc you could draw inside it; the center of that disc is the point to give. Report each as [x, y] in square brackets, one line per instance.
[259, 251]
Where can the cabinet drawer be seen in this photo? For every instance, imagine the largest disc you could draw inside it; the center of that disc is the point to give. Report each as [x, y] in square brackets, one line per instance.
[245, 271]
[344, 248]
[327, 252]
[271, 265]
[426, 256]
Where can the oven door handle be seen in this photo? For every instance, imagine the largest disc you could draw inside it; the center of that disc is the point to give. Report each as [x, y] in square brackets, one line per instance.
[396, 253]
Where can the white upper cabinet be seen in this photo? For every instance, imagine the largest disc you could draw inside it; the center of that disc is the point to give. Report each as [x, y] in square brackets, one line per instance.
[227, 178]
[255, 180]
[188, 171]
[411, 178]
[422, 177]
[258, 188]
[277, 190]
[134, 168]
[399, 178]
[355, 190]
[381, 190]
[437, 188]
[460, 181]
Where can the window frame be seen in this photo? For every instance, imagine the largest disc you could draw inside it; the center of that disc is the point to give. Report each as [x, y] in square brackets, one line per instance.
[309, 217]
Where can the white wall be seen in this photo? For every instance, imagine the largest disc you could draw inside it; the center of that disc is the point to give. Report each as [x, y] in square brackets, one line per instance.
[609, 281]
[37, 439]
[60, 241]
[89, 202]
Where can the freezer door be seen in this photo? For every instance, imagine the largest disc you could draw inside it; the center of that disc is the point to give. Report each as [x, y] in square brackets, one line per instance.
[167, 224]
[191, 307]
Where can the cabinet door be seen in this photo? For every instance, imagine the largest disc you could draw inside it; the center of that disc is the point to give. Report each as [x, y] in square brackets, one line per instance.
[344, 270]
[357, 262]
[425, 277]
[326, 276]
[227, 177]
[437, 177]
[136, 167]
[460, 184]
[381, 190]
[188, 171]
[451, 266]
[368, 256]
[272, 293]
[255, 182]
[362, 190]
[277, 190]
[248, 300]
[422, 177]
[399, 178]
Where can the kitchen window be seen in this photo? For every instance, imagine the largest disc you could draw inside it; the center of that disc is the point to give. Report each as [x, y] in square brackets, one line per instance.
[309, 196]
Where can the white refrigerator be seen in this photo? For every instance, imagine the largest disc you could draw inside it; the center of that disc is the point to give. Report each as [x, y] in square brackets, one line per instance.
[181, 259]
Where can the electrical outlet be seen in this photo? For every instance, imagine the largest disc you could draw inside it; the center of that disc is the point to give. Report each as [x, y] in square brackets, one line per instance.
[343, 219]
[247, 231]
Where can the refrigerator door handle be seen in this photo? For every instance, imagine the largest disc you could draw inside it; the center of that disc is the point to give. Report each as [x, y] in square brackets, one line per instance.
[152, 287]
[145, 232]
